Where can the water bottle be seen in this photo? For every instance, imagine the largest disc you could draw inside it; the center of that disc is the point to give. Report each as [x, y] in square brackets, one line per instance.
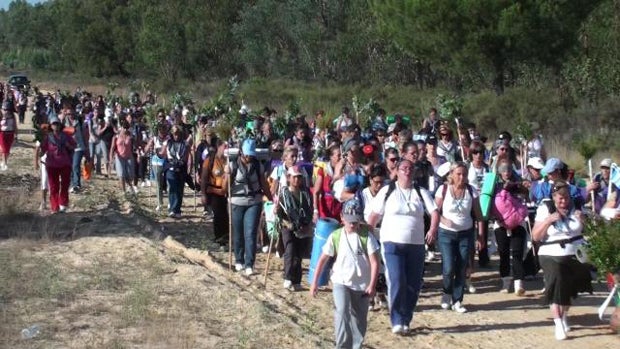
[30, 332]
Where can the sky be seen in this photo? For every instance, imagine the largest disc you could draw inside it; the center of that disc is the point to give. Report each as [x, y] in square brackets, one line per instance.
[4, 4]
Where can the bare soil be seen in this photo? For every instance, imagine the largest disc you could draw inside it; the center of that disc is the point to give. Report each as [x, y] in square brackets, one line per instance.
[98, 277]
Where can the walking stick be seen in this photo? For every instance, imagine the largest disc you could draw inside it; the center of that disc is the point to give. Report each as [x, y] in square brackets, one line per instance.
[458, 133]
[268, 259]
[591, 181]
[229, 218]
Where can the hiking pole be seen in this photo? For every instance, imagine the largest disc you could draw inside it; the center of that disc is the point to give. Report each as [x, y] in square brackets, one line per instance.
[229, 218]
[195, 182]
[591, 181]
[458, 132]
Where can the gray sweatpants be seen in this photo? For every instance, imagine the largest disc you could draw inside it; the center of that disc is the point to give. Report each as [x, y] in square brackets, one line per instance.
[350, 316]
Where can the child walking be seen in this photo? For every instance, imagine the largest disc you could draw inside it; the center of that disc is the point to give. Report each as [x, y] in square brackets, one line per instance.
[354, 275]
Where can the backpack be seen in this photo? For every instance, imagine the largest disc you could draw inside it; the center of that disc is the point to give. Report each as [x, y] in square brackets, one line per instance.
[61, 146]
[392, 186]
[508, 209]
[363, 235]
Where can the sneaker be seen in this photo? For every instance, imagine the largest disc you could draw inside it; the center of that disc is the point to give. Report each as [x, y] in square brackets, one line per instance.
[3, 167]
[459, 308]
[249, 271]
[565, 324]
[62, 209]
[142, 184]
[171, 214]
[135, 189]
[470, 286]
[506, 284]
[297, 287]
[265, 249]
[405, 329]
[73, 190]
[430, 256]
[238, 266]
[43, 206]
[519, 290]
[397, 329]
[287, 284]
[147, 183]
[158, 208]
[560, 333]
[446, 300]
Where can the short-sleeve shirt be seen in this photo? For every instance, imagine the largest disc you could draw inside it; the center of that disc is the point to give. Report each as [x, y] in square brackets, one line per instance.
[403, 214]
[457, 211]
[561, 230]
[352, 265]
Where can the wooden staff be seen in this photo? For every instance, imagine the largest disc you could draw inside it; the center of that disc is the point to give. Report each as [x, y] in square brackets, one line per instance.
[229, 218]
[268, 258]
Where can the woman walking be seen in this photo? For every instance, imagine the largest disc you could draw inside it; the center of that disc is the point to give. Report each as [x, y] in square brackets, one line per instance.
[176, 153]
[121, 154]
[402, 207]
[58, 148]
[458, 204]
[8, 130]
[214, 186]
[558, 227]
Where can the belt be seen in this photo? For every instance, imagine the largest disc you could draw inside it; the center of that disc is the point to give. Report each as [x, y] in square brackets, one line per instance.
[563, 242]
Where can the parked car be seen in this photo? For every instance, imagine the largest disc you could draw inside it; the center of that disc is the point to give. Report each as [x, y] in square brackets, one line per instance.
[19, 81]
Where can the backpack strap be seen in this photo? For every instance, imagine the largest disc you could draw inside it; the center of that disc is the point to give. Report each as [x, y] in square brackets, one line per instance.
[390, 189]
[362, 234]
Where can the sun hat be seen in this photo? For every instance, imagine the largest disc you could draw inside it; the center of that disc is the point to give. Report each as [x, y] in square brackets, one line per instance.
[249, 147]
[352, 211]
[536, 163]
[606, 163]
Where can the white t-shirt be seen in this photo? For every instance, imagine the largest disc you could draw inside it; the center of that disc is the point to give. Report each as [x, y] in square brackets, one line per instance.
[560, 230]
[367, 197]
[352, 266]
[279, 174]
[403, 214]
[458, 212]
[475, 176]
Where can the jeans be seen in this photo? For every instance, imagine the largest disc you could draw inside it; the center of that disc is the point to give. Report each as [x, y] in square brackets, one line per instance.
[159, 187]
[350, 316]
[175, 190]
[95, 155]
[245, 225]
[76, 169]
[404, 269]
[507, 244]
[455, 248]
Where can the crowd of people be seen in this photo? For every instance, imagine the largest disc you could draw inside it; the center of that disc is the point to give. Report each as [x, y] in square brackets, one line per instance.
[404, 193]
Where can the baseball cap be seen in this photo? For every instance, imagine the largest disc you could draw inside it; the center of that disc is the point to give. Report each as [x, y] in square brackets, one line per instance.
[249, 147]
[352, 211]
[536, 163]
[606, 163]
[294, 171]
[552, 164]
[54, 120]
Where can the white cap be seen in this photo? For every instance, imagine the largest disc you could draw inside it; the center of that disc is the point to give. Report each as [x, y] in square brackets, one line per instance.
[606, 163]
[536, 163]
[109, 113]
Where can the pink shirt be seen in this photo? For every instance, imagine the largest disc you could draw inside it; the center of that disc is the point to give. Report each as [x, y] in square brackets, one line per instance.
[124, 147]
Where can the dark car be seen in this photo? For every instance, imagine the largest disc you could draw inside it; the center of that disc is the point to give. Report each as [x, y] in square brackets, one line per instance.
[19, 81]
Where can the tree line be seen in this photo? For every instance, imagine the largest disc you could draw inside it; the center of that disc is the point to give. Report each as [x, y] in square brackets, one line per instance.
[463, 45]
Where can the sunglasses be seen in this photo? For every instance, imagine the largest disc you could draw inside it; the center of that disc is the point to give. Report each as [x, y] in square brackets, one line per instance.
[476, 151]
[393, 159]
[502, 149]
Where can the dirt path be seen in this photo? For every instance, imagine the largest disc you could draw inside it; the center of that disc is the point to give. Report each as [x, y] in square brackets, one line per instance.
[96, 277]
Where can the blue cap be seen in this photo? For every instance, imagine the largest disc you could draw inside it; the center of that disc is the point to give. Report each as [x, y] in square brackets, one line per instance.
[552, 164]
[249, 147]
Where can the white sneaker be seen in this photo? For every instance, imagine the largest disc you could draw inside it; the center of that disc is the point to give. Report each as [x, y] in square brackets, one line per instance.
[397, 329]
[430, 256]
[565, 324]
[142, 184]
[287, 284]
[459, 308]
[238, 266]
[147, 183]
[43, 206]
[560, 333]
[62, 209]
[446, 300]
[135, 189]
[158, 208]
[265, 249]
[405, 329]
[171, 214]
[519, 290]
[3, 167]
[249, 271]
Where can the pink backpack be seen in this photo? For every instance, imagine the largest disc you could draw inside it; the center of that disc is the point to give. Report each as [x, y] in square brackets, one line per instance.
[509, 210]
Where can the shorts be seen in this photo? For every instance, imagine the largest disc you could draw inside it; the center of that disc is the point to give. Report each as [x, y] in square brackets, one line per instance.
[124, 167]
